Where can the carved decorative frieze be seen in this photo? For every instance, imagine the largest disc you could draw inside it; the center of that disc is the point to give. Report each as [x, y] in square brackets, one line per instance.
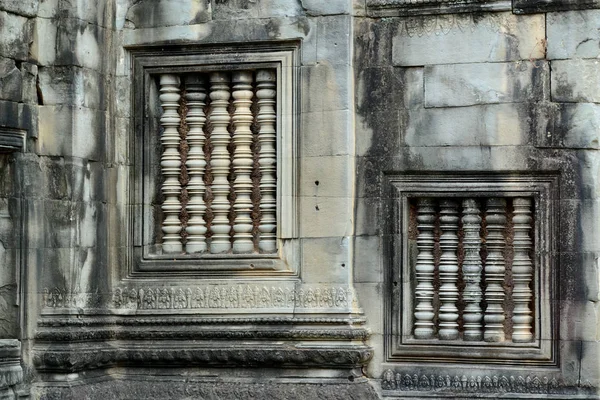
[250, 297]
[532, 384]
[430, 7]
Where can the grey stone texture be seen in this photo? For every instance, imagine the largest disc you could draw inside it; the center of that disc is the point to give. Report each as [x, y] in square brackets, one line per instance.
[384, 89]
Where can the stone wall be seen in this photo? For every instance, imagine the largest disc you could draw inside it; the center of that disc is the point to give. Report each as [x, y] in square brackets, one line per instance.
[384, 89]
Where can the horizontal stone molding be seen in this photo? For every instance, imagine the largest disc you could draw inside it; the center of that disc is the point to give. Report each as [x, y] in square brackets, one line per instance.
[538, 6]
[470, 384]
[86, 357]
[11, 140]
[11, 372]
[423, 7]
[208, 297]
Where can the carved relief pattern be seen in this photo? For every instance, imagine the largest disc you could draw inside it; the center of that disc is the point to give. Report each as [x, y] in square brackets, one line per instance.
[522, 270]
[231, 204]
[196, 162]
[448, 270]
[494, 270]
[170, 163]
[472, 270]
[266, 83]
[481, 384]
[231, 297]
[424, 268]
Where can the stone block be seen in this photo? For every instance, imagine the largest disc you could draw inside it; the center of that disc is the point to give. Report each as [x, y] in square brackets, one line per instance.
[123, 92]
[573, 34]
[326, 133]
[97, 13]
[279, 8]
[11, 81]
[576, 125]
[464, 38]
[490, 125]
[80, 43]
[29, 89]
[579, 320]
[590, 354]
[71, 131]
[578, 225]
[47, 8]
[15, 35]
[370, 297]
[326, 260]
[9, 114]
[368, 263]
[10, 224]
[325, 216]
[326, 176]
[235, 9]
[333, 7]
[43, 48]
[72, 86]
[368, 217]
[334, 40]
[373, 42]
[25, 8]
[326, 87]
[457, 85]
[152, 13]
[576, 81]
[579, 276]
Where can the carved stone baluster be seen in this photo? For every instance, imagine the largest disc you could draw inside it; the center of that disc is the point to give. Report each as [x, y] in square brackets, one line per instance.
[219, 118]
[424, 312]
[522, 270]
[266, 83]
[495, 270]
[170, 162]
[195, 118]
[242, 161]
[472, 268]
[448, 270]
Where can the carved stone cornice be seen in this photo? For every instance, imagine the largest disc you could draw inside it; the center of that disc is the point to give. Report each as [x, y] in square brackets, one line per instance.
[381, 8]
[74, 358]
[537, 6]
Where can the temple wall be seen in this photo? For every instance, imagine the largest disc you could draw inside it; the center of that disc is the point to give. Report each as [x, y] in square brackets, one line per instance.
[384, 95]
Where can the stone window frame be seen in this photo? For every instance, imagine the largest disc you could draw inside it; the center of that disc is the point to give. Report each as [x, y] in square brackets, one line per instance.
[150, 62]
[399, 346]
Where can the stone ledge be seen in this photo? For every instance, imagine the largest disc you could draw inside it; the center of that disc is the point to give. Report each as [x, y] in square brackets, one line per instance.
[389, 8]
[538, 6]
[88, 356]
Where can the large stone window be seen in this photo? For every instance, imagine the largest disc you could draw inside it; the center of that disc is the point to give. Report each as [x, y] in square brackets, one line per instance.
[215, 159]
[472, 278]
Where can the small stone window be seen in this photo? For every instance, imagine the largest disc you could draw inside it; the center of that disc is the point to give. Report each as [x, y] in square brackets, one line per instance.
[473, 256]
[215, 159]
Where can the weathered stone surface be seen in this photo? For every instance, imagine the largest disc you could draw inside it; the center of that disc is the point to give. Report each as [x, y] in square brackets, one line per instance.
[316, 7]
[573, 34]
[494, 125]
[61, 132]
[326, 133]
[26, 8]
[576, 125]
[331, 82]
[174, 389]
[149, 13]
[326, 260]
[15, 35]
[29, 75]
[464, 39]
[10, 80]
[576, 81]
[72, 86]
[456, 85]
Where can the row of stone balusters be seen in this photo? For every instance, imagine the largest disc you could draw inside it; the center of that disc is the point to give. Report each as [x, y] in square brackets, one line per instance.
[221, 86]
[478, 324]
